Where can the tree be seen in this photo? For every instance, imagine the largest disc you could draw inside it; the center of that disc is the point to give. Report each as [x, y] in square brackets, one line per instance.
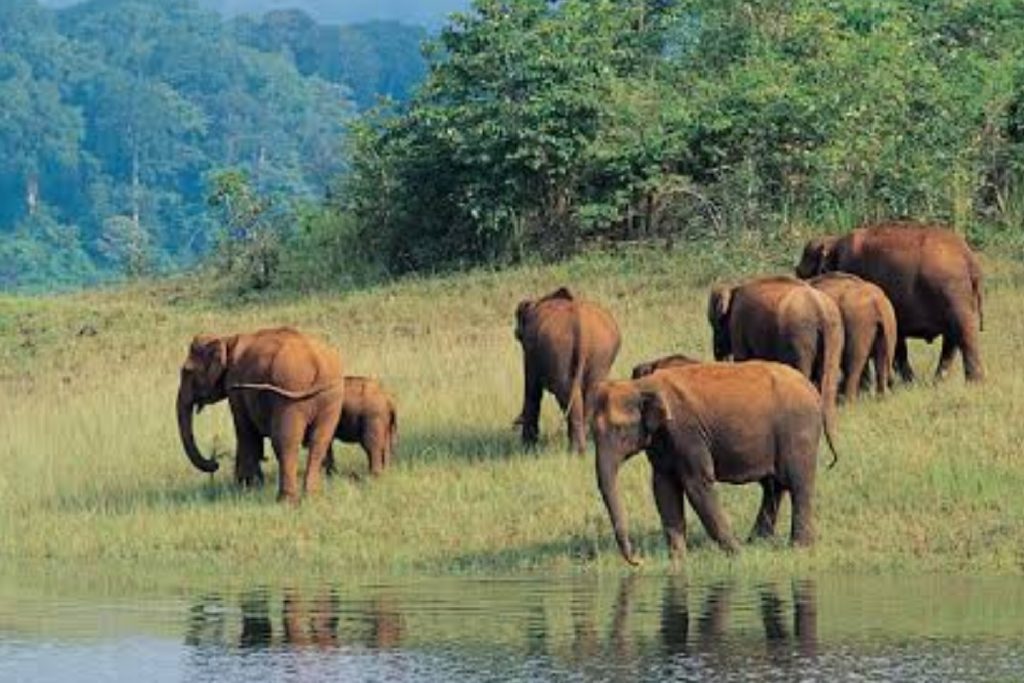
[252, 229]
[126, 244]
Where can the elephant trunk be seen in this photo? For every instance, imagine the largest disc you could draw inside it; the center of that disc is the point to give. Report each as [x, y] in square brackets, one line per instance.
[188, 441]
[607, 476]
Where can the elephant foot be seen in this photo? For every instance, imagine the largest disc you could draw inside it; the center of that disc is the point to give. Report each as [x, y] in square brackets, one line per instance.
[730, 546]
[251, 481]
[803, 540]
[291, 499]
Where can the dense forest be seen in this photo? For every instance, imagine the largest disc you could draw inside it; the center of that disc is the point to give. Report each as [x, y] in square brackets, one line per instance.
[548, 126]
[116, 114]
[152, 131]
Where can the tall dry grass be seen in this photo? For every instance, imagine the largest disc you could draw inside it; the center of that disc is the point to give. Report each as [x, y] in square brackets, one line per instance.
[91, 470]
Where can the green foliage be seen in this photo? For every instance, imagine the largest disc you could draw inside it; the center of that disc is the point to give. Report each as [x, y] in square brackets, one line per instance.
[44, 254]
[249, 243]
[544, 126]
[125, 243]
[490, 158]
[116, 108]
[375, 59]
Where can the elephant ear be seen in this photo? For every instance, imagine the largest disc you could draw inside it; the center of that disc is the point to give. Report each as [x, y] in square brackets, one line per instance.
[654, 411]
[642, 370]
[522, 315]
[718, 303]
[209, 356]
[561, 293]
[824, 254]
[829, 255]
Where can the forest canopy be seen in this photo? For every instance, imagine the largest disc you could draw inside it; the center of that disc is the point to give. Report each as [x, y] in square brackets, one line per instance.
[542, 127]
[115, 113]
[140, 133]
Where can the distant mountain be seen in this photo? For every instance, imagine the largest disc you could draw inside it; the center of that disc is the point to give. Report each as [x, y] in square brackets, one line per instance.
[114, 114]
[429, 13]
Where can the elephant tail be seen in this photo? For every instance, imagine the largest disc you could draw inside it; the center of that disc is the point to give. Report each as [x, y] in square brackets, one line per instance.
[831, 353]
[293, 395]
[974, 269]
[885, 342]
[829, 426]
[576, 359]
[392, 431]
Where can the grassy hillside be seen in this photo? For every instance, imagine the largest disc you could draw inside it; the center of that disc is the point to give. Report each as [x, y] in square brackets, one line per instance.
[91, 469]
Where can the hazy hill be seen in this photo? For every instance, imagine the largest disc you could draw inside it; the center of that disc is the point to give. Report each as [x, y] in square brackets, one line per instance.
[116, 112]
[426, 12]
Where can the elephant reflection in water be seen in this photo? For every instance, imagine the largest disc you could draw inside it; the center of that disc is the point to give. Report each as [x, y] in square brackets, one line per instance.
[712, 625]
[304, 623]
[586, 642]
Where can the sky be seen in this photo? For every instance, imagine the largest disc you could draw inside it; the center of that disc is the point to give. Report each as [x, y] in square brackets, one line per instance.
[426, 12]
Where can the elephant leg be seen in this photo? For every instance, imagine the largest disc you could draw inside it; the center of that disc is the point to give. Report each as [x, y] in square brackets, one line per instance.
[249, 450]
[321, 434]
[802, 493]
[883, 365]
[771, 498]
[374, 444]
[856, 357]
[289, 429]
[700, 490]
[902, 360]
[533, 393]
[970, 347]
[330, 465]
[804, 361]
[668, 496]
[950, 344]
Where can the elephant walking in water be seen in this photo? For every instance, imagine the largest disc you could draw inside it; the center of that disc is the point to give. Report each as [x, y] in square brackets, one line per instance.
[281, 385]
[569, 345]
[930, 275]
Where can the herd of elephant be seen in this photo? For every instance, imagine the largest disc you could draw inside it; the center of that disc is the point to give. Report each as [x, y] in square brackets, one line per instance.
[855, 300]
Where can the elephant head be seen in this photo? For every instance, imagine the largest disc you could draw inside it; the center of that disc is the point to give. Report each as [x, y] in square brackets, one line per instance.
[202, 383]
[819, 257]
[628, 416]
[719, 302]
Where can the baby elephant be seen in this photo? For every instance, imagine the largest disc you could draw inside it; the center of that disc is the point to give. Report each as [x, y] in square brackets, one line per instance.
[701, 423]
[869, 329]
[369, 418]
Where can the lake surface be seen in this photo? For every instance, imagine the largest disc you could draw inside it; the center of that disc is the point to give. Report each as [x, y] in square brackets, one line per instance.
[563, 628]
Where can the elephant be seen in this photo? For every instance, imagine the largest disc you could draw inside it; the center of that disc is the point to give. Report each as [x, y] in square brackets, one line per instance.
[869, 329]
[369, 417]
[675, 360]
[930, 275]
[733, 422]
[280, 384]
[782, 319]
[569, 345]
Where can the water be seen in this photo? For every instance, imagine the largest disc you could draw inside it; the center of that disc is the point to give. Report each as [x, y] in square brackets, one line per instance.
[562, 628]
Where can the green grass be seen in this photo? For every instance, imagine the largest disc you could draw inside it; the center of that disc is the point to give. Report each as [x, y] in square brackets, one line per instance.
[91, 470]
